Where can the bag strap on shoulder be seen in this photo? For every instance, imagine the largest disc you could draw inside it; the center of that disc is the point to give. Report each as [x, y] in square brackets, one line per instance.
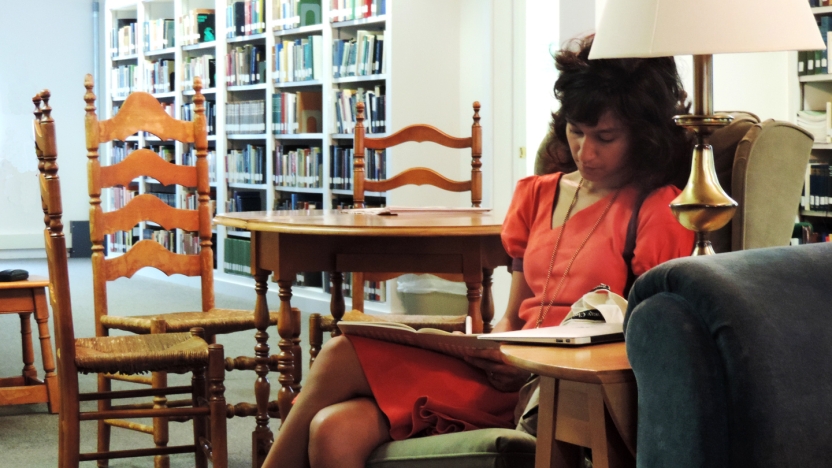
[630, 242]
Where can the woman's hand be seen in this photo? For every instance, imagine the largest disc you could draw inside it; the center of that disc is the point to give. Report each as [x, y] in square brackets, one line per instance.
[503, 377]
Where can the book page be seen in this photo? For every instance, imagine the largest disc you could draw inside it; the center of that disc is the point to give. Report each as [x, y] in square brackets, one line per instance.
[426, 338]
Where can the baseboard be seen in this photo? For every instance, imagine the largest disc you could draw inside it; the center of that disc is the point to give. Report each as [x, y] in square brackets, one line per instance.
[26, 241]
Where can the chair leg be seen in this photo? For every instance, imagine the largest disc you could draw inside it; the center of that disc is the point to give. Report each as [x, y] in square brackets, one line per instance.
[200, 428]
[160, 425]
[51, 379]
[104, 429]
[316, 337]
[69, 423]
[219, 430]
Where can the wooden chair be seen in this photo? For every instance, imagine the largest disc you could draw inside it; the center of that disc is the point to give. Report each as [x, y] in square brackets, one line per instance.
[142, 112]
[479, 294]
[173, 352]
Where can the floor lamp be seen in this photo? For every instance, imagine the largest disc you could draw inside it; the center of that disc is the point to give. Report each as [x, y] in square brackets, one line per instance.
[660, 28]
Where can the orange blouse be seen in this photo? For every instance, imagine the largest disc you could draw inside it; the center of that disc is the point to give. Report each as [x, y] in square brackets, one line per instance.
[528, 234]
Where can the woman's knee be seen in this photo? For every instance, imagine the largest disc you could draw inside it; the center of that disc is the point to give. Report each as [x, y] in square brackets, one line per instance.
[345, 431]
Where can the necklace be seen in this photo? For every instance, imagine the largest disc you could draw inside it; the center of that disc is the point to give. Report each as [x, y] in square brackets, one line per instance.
[544, 307]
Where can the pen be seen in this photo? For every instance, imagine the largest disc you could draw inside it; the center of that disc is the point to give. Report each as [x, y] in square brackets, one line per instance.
[468, 325]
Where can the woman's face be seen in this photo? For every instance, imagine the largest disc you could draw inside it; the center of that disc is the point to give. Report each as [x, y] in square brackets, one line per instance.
[600, 151]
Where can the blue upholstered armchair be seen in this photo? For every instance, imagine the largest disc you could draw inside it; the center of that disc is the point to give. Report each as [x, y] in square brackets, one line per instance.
[732, 358]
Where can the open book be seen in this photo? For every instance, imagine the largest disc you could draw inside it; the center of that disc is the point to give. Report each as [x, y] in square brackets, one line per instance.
[426, 338]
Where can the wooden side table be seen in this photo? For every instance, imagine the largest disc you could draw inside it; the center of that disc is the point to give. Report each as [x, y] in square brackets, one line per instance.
[587, 398]
[25, 298]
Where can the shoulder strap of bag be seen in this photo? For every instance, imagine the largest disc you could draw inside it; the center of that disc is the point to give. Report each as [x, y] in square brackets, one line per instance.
[630, 243]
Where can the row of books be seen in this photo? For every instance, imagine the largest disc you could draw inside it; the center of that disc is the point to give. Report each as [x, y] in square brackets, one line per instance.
[237, 256]
[123, 38]
[299, 112]
[245, 65]
[125, 80]
[817, 190]
[347, 10]
[375, 117]
[168, 198]
[298, 60]
[361, 56]
[121, 196]
[291, 14]
[166, 239]
[159, 78]
[817, 123]
[165, 152]
[815, 62]
[246, 165]
[341, 161]
[244, 200]
[189, 159]
[189, 112]
[245, 117]
[202, 66]
[189, 243]
[198, 26]
[296, 201]
[119, 151]
[300, 167]
[245, 18]
[159, 34]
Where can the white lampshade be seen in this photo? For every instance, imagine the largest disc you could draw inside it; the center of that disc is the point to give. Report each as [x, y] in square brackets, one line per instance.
[659, 28]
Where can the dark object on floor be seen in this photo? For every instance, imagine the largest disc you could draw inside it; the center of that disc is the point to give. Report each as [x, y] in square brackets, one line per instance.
[13, 275]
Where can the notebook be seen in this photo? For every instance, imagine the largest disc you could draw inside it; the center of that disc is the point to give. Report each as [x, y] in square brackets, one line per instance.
[570, 335]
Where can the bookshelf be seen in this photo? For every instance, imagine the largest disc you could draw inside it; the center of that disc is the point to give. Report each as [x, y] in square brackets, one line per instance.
[278, 102]
[815, 81]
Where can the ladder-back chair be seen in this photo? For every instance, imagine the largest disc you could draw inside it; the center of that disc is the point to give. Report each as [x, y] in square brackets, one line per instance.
[479, 294]
[132, 354]
[142, 112]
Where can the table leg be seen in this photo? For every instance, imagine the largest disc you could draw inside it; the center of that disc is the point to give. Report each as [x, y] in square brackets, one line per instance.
[474, 301]
[42, 318]
[487, 303]
[262, 437]
[336, 301]
[551, 453]
[30, 374]
[608, 448]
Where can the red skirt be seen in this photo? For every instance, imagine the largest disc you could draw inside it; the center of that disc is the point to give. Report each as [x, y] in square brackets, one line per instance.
[425, 393]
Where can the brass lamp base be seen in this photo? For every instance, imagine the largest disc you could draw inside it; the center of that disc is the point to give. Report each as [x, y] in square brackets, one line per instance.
[703, 206]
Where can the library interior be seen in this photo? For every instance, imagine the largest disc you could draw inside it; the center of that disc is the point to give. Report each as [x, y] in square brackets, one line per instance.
[305, 233]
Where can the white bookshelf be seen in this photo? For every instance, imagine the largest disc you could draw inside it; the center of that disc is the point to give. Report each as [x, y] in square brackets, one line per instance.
[421, 57]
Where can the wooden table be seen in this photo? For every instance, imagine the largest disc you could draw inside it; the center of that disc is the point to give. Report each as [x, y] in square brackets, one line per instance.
[288, 242]
[587, 398]
[25, 298]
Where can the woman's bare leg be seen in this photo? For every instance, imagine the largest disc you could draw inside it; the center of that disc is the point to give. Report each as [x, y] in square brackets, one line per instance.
[336, 377]
[343, 435]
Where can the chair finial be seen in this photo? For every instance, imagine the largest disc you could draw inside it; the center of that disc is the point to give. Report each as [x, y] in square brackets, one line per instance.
[359, 111]
[47, 111]
[89, 96]
[36, 101]
[476, 112]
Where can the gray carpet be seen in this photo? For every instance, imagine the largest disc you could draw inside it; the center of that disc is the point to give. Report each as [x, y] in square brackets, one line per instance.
[29, 434]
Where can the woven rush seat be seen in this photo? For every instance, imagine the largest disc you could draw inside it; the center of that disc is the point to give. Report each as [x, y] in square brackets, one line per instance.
[449, 323]
[215, 321]
[136, 354]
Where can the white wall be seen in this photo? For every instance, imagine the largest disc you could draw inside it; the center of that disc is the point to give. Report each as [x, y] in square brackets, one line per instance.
[45, 44]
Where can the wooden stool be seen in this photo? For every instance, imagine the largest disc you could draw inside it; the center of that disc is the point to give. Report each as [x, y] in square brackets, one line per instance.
[24, 298]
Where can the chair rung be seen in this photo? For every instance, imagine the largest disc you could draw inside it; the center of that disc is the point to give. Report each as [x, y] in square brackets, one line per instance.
[137, 453]
[243, 410]
[149, 405]
[133, 426]
[141, 379]
[151, 413]
[134, 393]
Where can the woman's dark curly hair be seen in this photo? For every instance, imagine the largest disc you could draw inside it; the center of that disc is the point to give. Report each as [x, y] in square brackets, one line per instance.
[644, 93]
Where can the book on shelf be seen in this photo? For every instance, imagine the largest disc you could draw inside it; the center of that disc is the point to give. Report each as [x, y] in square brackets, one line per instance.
[299, 112]
[298, 60]
[374, 109]
[166, 239]
[189, 112]
[197, 26]
[246, 65]
[245, 18]
[159, 34]
[123, 37]
[815, 122]
[246, 165]
[817, 190]
[298, 167]
[244, 200]
[291, 14]
[309, 112]
[202, 66]
[296, 201]
[237, 256]
[245, 117]
[426, 338]
[348, 10]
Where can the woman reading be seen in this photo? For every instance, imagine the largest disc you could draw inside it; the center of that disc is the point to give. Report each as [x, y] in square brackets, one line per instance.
[566, 233]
